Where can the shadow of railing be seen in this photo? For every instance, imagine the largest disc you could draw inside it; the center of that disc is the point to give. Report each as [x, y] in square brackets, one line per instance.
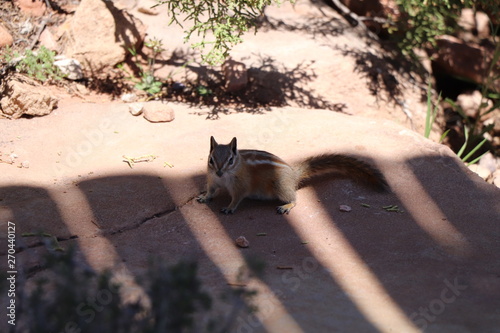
[387, 269]
[435, 256]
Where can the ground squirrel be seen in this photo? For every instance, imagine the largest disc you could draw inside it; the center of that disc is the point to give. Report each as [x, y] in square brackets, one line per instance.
[261, 175]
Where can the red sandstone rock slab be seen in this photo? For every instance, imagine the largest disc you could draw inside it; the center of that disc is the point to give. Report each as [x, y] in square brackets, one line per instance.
[433, 265]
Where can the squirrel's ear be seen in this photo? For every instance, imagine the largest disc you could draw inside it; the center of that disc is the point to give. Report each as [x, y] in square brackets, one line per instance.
[233, 146]
[213, 143]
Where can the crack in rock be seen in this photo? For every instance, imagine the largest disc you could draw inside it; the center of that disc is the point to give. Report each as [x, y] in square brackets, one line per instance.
[147, 219]
[133, 226]
[108, 232]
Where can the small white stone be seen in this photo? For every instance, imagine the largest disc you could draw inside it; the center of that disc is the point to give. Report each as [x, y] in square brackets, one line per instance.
[489, 162]
[480, 171]
[129, 98]
[136, 108]
[70, 67]
[496, 178]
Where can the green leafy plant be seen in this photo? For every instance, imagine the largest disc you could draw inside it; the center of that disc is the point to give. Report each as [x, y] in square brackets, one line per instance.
[147, 80]
[203, 91]
[38, 65]
[423, 21]
[224, 21]
[176, 295]
[149, 84]
[474, 134]
[440, 23]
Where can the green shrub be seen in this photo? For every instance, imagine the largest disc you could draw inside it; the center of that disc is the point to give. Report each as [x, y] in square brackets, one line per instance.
[422, 21]
[38, 65]
[225, 22]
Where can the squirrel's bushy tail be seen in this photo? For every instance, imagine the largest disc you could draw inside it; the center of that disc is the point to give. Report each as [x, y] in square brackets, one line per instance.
[346, 165]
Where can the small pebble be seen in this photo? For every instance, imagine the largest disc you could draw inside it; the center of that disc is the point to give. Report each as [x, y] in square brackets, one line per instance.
[345, 208]
[242, 241]
[129, 98]
[135, 108]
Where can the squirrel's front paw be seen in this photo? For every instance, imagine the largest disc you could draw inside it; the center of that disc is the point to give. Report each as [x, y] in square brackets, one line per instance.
[203, 198]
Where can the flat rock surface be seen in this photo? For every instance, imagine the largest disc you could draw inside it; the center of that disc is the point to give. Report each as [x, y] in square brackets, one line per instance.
[433, 265]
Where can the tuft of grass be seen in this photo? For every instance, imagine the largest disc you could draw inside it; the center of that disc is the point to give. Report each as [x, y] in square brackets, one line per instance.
[466, 158]
[469, 127]
[432, 111]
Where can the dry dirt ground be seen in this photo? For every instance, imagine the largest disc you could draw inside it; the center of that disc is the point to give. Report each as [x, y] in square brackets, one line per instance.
[434, 265]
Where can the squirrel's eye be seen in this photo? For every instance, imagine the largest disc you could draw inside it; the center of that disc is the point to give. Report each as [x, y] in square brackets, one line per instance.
[211, 161]
[231, 161]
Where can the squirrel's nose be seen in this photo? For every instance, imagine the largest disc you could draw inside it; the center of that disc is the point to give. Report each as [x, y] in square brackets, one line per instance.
[219, 173]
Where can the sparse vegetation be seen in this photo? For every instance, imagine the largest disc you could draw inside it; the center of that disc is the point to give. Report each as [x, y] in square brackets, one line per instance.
[473, 140]
[149, 83]
[432, 111]
[422, 21]
[38, 65]
[147, 80]
[220, 25]
[70, 297]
